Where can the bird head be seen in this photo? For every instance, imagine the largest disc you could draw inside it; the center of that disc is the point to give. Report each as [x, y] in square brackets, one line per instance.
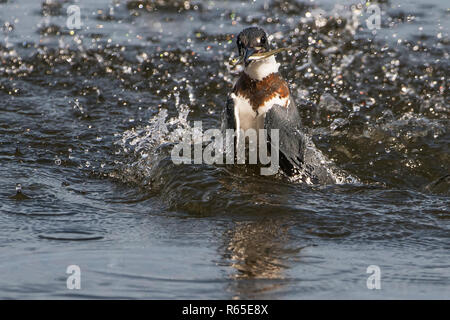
[251, 41]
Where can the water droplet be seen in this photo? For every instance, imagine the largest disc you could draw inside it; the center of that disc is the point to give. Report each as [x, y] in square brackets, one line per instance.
[19, 195]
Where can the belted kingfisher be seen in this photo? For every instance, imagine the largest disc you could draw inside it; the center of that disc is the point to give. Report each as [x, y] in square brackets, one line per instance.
[261, 99]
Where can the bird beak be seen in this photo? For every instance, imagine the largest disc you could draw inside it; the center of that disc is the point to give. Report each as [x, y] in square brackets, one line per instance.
[248, 53]
[252, 54]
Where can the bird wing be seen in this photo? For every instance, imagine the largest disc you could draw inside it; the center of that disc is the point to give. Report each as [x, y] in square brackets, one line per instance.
[228, 115]
[299, 157]
[291, 138]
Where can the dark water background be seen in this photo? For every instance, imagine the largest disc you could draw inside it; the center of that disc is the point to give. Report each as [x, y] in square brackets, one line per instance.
[86, 125]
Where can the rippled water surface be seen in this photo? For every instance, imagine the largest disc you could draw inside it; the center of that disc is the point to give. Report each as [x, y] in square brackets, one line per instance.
[88, 118]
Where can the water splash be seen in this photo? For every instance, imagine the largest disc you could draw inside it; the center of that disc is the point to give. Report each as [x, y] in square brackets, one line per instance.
[143, 147]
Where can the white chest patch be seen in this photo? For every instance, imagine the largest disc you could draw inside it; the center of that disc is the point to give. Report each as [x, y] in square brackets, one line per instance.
[260, 69]
[247, 118]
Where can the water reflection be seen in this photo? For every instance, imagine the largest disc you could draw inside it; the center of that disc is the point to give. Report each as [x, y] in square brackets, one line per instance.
[258, 252]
